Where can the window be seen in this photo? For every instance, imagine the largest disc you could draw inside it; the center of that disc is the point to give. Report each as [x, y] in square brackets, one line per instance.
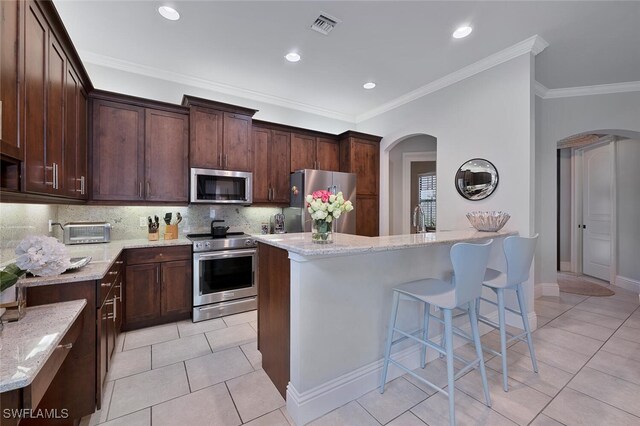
[427, 197]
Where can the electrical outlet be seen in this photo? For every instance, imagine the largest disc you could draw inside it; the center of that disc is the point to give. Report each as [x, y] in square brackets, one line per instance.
[212, 212]
[143, 222]
[50, 227]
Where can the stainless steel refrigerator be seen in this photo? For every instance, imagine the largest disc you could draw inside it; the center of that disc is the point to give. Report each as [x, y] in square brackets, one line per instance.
[297, 217]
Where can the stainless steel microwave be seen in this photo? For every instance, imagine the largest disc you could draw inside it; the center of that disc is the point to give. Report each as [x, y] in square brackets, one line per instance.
[210, 186]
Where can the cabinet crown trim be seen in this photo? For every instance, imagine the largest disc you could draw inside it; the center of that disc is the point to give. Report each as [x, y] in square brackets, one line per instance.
[136, 101]
[359, 135]
[188, 101]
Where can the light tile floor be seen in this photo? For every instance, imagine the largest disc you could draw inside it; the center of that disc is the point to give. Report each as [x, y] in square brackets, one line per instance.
[209, 373]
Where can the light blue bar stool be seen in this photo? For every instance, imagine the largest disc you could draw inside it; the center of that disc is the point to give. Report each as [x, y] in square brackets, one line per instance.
[469, 266]
[519, 252]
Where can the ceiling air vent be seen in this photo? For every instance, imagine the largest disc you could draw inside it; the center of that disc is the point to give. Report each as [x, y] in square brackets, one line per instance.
[325, 23]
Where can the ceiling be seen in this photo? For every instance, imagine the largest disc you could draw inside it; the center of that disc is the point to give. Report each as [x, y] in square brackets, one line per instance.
[399, 45]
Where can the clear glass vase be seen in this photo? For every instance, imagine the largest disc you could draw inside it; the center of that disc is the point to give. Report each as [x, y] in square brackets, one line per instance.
[14, 300]
[321, 232]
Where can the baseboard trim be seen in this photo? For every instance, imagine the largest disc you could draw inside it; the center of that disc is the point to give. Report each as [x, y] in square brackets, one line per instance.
[546, 289]
[307, 406]
[627, 283]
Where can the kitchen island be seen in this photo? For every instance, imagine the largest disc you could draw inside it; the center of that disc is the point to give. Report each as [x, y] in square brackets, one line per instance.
[323, 309]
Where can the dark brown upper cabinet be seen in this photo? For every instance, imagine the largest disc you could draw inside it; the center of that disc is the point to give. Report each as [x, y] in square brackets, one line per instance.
[327, 154]
[11, 62]
[220, 135]
[41, 79]
[35, 86]
[271, 165]
[166, 156]
[140, 150]
[360, 154]
[314, 152]
[117, 151]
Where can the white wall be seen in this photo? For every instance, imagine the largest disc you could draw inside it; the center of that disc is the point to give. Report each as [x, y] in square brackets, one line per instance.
[488, 115]
[628, 195]
[162, 90]
[557, 119]
[418, 143]
[565, 205]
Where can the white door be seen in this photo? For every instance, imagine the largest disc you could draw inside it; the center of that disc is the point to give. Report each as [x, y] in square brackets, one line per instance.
[596, 211]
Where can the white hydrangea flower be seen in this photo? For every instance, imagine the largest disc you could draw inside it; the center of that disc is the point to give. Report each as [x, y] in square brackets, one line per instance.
[309, 198]
[42, 256]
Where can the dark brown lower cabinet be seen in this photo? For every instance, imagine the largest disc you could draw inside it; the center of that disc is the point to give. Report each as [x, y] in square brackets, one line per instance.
[142, 294]
[157, 286]
[74, 386]
[175, 296]
[273, 314]
[108, 321]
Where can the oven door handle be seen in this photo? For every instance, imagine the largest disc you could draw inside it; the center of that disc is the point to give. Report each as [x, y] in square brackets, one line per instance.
[224, 254]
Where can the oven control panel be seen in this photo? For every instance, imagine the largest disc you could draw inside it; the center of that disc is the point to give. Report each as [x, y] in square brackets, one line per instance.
[217, 244]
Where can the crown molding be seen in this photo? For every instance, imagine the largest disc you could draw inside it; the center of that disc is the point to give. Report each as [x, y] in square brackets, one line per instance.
[135, 68]
[534, 45]
[600, 89]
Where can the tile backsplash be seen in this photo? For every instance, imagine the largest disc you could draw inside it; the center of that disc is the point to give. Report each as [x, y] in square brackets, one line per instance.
[20, 220]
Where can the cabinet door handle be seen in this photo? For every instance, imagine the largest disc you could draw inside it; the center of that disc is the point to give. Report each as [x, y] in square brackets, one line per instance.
[115, 308]
[82, 184]
[65, 346]
[105, 284]
[148, 188]
[226, 161]
[220, 160]
[139, 189]
[119, 262]
[112, 273]
[55, 176]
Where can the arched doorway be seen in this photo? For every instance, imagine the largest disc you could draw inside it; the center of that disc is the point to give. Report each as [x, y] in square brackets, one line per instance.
[412, 162]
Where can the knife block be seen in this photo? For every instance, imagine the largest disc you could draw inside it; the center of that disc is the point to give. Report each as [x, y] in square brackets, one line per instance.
[153, 236]
[171, 232]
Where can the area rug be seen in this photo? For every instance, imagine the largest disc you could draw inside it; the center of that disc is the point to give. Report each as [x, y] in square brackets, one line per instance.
[581, 285]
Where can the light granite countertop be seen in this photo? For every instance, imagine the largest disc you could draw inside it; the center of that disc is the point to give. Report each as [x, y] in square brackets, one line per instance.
[103, 256]
[346, 244]
[27, 344]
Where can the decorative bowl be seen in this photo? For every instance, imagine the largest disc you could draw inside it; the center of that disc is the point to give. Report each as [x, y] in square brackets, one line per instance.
[78, 262]
[488, 221]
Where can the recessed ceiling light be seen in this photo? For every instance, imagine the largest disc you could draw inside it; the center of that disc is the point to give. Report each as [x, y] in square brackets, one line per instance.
[462, 32]
[369, 85]
[169, 13]
[292, 57]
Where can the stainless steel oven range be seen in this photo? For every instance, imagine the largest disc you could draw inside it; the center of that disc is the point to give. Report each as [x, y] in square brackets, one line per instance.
[224, 275]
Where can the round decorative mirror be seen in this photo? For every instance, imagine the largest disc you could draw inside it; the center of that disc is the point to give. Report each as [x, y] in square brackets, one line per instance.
[476, 179]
